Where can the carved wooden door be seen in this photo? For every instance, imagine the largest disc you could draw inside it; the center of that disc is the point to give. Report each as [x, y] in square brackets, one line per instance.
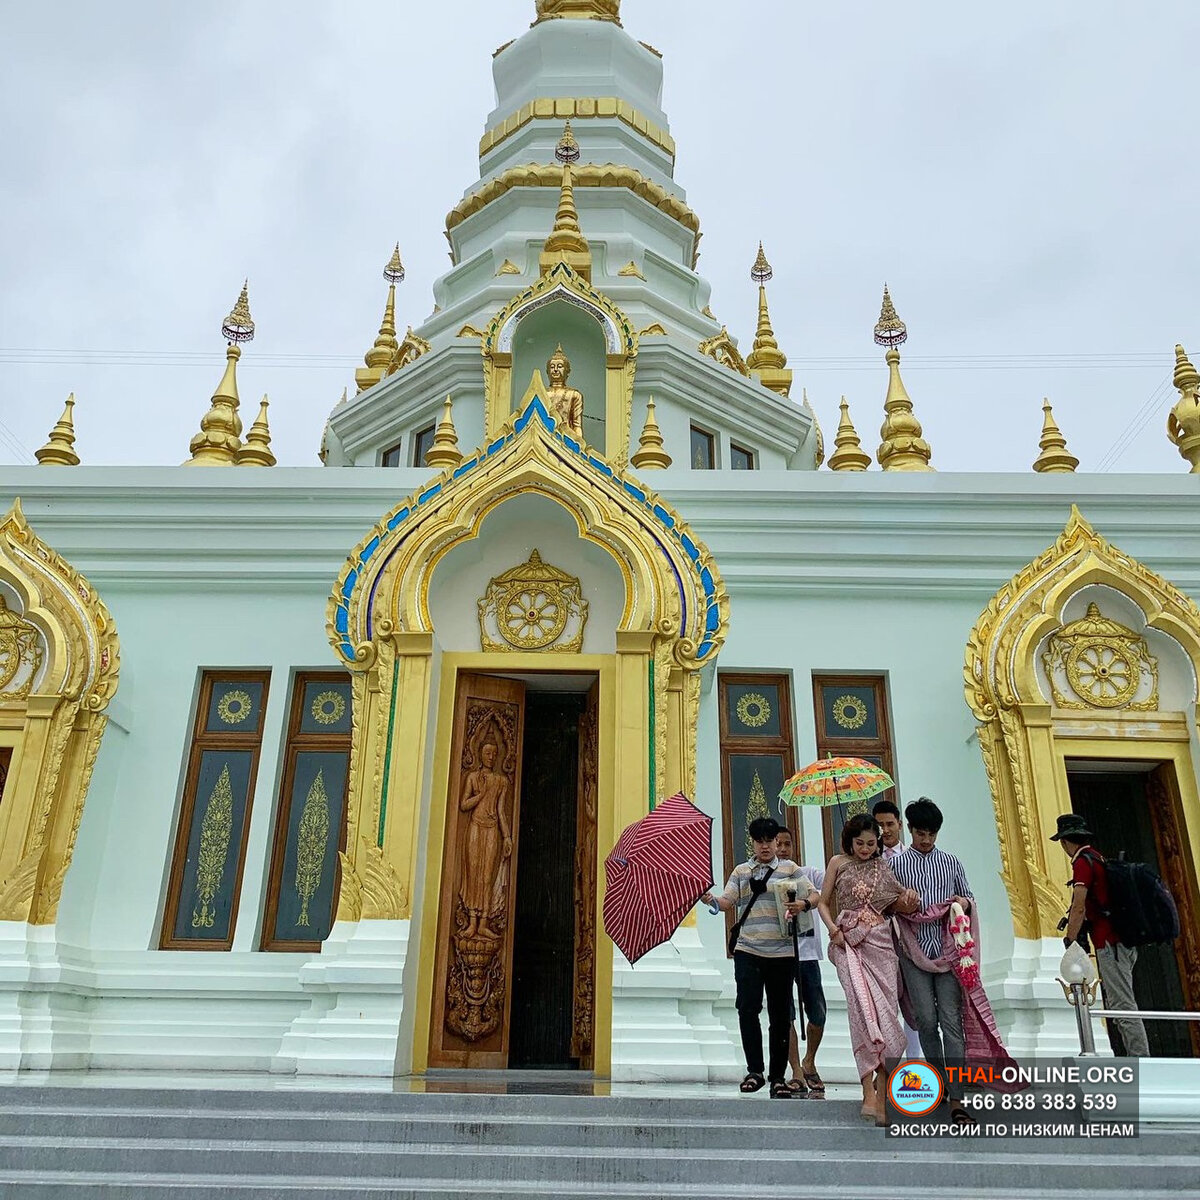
[471, 988]
[583, 1020]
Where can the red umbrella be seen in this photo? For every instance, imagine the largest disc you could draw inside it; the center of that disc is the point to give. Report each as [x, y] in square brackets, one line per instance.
[656, 872]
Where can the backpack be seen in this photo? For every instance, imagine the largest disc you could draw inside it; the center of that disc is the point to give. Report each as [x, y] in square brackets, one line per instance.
[1140, 906]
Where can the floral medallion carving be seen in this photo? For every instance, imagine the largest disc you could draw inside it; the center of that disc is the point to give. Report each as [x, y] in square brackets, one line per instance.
[1096, 662]
[533, 606]
[20, 654]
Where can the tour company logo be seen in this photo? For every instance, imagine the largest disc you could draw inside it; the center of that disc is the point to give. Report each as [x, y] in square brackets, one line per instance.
[915, 1088]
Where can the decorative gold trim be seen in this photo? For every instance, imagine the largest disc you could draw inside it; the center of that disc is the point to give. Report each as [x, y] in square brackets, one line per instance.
[566, 109]
[655, 330]
[532, 606]
[411, 348]
[722, 348]
[508, 267]
[631, 271]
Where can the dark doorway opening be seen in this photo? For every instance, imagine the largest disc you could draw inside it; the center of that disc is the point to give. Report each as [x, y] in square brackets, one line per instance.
[1117, 805]
[543, 969]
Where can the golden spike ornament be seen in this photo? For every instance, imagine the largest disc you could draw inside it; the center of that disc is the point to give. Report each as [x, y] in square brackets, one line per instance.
[1183, 421]
[215, 830]
[1055, 458]
[566, 242]
[394, 271]
[59, 450]
[385, 346]
[902, 448]
[650, 454]
[256, 449]
[848, 454]
[219, 439]
[444, 452]
[766, 361]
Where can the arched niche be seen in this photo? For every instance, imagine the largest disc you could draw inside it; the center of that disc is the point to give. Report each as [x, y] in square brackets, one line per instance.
[1033, 682]
[59, 660]
[520, 338]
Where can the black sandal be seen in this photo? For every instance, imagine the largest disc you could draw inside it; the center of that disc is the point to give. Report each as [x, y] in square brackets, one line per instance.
[780, 1090]
[960, 1116]
[815, 1084]
[752, 1083]
[796, 1087]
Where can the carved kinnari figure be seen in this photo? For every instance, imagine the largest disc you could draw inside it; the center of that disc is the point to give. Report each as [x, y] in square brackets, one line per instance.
[488, 841]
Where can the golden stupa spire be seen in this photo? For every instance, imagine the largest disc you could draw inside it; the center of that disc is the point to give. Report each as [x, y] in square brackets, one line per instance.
[385, 346]
[1183, 421]
[444, 452]
[594, 10]
[566, 242]
[256, 449]
[219, 439]
[1055, 458]
[59, 450]
[848, 454]
[903, 448]
[766, 361]
[650, 454]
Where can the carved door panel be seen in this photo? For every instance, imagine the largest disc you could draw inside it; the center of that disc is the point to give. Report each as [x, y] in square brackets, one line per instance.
[584, 1013]
[472, 976]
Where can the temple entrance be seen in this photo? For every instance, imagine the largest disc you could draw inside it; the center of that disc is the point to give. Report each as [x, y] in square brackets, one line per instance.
[514, 978]
[1133, 809]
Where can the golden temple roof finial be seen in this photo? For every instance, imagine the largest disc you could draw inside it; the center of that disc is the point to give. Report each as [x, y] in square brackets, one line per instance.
[59, 450]
[444, 452]
[1055, 458]
[766, 361]
[385, 347]
[903, 448]
[593, 10]
[566, 242]
[650, 454]
[1183, 421]
[849, 454]
[219, 439]
[256, 449]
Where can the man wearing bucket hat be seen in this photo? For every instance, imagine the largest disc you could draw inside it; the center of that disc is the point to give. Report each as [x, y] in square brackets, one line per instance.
[1090, 909]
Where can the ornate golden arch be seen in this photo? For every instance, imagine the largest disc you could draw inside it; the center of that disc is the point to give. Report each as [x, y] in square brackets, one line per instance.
[51, 717]
[1017, 722]
[673, 622]
[620, 343]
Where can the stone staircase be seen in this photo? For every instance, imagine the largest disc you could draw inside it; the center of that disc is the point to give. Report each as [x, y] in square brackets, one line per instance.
[128, 1143]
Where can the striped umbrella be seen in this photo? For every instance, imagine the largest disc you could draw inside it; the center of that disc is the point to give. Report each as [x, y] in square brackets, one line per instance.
[656, 872]
[831, 781]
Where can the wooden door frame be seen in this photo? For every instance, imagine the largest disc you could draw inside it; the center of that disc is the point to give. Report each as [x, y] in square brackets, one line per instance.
[604, 666]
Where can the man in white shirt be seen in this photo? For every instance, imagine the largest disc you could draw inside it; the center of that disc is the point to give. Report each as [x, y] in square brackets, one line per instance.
[887, 817]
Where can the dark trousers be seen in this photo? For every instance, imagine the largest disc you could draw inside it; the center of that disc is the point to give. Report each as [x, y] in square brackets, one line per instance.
[753, 975]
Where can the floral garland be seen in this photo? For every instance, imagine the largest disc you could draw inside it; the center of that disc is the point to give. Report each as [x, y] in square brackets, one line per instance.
[965, 966]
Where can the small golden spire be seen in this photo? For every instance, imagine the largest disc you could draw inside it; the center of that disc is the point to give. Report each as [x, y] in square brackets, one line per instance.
[1055, 458]
[219, 439]
[566, 242]
[59, 450]
[1183, 421]
[766, 361]
[385, 347]
[650, 454]
[849, 454]
[903, 448]
[256, 449]
[444, 452]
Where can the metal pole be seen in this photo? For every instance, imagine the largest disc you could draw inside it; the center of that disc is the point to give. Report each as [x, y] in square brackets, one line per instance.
[1083, 1018]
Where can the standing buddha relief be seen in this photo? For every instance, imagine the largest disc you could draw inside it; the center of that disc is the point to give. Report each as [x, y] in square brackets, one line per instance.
[565, 403]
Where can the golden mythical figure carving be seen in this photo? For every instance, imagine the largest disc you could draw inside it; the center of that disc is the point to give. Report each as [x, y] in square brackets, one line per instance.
[488, 842]
[565, 403]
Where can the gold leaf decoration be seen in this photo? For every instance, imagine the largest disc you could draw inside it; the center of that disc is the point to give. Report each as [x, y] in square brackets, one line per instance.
[234, 707]
[328, 708]
[754, 710]
[312, 837]
[215, 830]
[850, 712]
[756, 807]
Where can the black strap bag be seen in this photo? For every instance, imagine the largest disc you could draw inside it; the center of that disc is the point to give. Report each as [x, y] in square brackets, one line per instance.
[757, 887]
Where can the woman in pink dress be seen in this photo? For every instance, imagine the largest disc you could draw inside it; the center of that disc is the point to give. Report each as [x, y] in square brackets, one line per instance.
[860, 946]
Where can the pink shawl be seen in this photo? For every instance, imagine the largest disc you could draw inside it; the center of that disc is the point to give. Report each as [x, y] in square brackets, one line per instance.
[982, 1037]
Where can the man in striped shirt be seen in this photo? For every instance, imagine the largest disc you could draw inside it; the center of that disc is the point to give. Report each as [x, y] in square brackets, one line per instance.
[936, 996]
[763, 958]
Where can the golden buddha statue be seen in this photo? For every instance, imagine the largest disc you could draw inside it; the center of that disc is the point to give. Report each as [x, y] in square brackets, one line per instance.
[565, 403]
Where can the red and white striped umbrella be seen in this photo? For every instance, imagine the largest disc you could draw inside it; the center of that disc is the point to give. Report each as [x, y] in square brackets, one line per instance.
[660, 866]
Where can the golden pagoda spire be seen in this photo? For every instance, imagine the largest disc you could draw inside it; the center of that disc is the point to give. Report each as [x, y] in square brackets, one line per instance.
[903, 448]
[219, 439]
[566, 242]
[1183, 421]
[444, 452]
[594, 10]
[766, 361]
[650, 454]
[848, 454]
[1055, 458]
[256, 449]
[59, 450]
[385, 346]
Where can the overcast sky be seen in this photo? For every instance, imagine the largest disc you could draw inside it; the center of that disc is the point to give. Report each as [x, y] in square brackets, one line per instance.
[1024, 176]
